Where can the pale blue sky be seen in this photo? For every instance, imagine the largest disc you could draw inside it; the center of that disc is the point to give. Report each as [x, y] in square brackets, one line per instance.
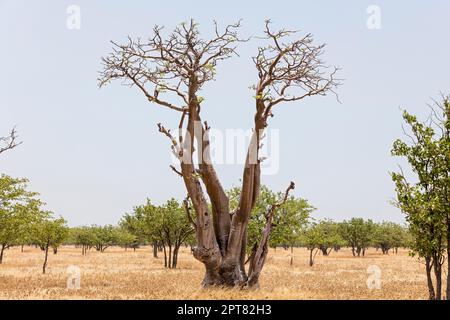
[94, 154]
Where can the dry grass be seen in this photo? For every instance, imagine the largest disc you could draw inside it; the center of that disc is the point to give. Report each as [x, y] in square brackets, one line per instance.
[119, 274]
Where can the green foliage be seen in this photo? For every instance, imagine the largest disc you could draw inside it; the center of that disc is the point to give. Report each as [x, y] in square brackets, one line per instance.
[323, 235]
[425, 201]
[49, 232]
[166, 225]
[19, 209]
[389, 235]
[289, 221]
[358, 234]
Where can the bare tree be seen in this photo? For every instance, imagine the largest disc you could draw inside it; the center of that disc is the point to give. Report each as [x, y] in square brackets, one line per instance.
[176, 68]
[9, 142]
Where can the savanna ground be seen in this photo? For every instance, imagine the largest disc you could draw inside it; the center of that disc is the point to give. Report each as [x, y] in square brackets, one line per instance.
[120, 274]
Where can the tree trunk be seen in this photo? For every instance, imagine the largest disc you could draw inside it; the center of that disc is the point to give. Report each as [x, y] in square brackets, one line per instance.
[55, 250]
[311, 257]
[45, 260]
[155, 250]
[21, 248]
[428, 267]
[165, 256]
[170, 256]
[438, 275]
[448, 261]
[175, 256]
[1, 253]
[221, 238]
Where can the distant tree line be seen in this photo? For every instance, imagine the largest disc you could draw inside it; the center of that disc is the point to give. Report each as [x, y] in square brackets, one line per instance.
[358, 234]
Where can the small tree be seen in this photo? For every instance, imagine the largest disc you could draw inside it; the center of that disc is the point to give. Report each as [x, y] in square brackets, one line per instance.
[84, 237]
[169, 225]
[18, 208]
[126, 239]
[103, 237]
[389, 235]
[323, 236]
[49, 232]
[358, 234]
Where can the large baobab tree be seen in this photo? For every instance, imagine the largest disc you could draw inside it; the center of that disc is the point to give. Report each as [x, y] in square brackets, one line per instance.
[170, 71]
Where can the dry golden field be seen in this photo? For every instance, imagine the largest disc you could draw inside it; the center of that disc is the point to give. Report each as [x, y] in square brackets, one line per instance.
[119, 274]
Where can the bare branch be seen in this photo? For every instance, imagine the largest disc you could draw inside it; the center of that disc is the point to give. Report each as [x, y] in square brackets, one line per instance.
[188, 211]
[291, 71]
[9, 142]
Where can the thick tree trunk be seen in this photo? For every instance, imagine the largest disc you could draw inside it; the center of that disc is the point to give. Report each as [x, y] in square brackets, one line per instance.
[221, 239]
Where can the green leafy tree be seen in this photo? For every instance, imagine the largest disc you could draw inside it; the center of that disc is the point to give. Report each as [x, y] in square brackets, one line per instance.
[425, 201]
[18, 208]
[103, 237]
[49, 232]
[167, 225]
[358, 234]
[389, 235]
[83, 237]
[322, 236]
[126, 239]
[288, 222]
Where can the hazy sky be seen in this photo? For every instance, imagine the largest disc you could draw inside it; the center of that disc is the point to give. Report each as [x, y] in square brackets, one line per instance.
[95, 153]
